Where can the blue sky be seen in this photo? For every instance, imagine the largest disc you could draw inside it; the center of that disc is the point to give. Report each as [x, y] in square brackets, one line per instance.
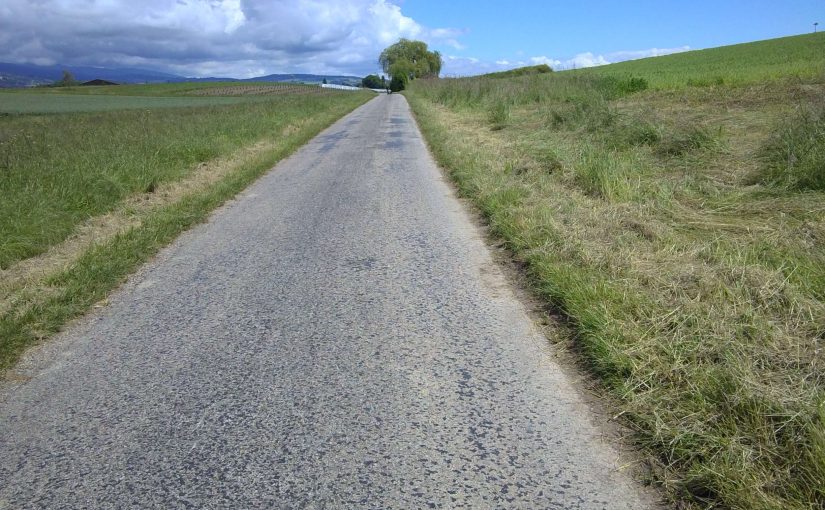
[247, 38]
[516, 31]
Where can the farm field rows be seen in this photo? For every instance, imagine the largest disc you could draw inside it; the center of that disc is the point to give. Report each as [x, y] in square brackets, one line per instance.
[85, 196]
[679, 224]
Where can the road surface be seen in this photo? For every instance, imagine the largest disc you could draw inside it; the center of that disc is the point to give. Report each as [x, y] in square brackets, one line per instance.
[337, 337]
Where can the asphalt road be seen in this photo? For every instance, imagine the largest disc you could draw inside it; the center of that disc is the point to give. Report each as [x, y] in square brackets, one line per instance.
[337, 337]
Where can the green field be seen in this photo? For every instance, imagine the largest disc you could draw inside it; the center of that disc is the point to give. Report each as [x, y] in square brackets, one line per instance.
[168, 89]
[798, 59]
[679, 225]
[121, 179]
[68, 103]
[137, 97]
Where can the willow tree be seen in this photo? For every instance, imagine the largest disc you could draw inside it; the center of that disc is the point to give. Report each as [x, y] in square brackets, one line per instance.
[409, 60]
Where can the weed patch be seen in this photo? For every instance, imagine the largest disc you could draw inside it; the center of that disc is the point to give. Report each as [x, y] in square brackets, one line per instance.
[795, 155]
[499, 115]
[684, 140]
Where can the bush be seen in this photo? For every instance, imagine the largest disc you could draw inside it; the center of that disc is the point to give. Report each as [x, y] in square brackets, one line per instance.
[373, 81]
[614, 88]
[397, 84]
[521, 71]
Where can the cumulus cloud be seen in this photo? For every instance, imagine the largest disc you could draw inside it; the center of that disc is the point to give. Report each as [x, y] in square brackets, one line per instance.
[545, 60]
[588, 59]
[457, 66]
[239, 38]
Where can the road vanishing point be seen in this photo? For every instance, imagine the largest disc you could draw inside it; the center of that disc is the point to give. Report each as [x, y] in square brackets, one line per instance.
[338, 336]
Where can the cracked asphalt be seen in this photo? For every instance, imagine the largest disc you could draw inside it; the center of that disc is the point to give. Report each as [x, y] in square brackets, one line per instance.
[336, 337]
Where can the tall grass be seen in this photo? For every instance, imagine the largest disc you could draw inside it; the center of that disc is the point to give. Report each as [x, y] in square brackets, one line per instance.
[795, 155]
[697, 297]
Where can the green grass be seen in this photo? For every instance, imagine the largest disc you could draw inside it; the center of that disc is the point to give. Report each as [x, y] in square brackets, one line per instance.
[682, 233]
[145, 97]
[159, 89]
[60, 171]
[37, 103]
[521, 71]
[795, 157]
[799, 57]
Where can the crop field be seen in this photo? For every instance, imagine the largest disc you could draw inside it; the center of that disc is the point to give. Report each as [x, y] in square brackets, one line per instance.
[679, 226]
[76, 185]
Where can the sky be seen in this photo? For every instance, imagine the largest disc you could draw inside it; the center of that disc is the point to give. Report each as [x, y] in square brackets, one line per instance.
[247, 38]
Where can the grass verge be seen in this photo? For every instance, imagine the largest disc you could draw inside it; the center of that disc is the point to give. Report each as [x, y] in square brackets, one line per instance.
[697, 297]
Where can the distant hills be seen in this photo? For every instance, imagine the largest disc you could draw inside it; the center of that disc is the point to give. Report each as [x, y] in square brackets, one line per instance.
[30, 75]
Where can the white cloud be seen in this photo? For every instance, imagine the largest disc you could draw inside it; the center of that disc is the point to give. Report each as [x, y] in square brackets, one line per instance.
[211, 37]
[456, 66]
[584, 60]
[620, 56]
[544, 60]
[454, 44]
[461, 66]
[448, 36]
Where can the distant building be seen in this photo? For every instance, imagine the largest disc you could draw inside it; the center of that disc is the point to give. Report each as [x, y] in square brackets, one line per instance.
[99, 82]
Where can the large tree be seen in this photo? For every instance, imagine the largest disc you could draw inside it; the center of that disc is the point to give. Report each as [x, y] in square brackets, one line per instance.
[373, 81]
[67, 80]
[409, 60]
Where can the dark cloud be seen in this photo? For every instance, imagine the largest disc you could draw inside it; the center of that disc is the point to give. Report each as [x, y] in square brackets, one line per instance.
[201, 37]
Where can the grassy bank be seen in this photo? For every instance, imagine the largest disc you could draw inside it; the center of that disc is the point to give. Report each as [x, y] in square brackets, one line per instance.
[683, 234]
[126, 183]
[794, 59]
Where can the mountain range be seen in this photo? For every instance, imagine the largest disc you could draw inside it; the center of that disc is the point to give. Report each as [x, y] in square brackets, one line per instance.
[29, 75]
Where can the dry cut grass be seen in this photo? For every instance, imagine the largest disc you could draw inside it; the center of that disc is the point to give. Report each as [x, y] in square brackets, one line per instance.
[693, 276]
